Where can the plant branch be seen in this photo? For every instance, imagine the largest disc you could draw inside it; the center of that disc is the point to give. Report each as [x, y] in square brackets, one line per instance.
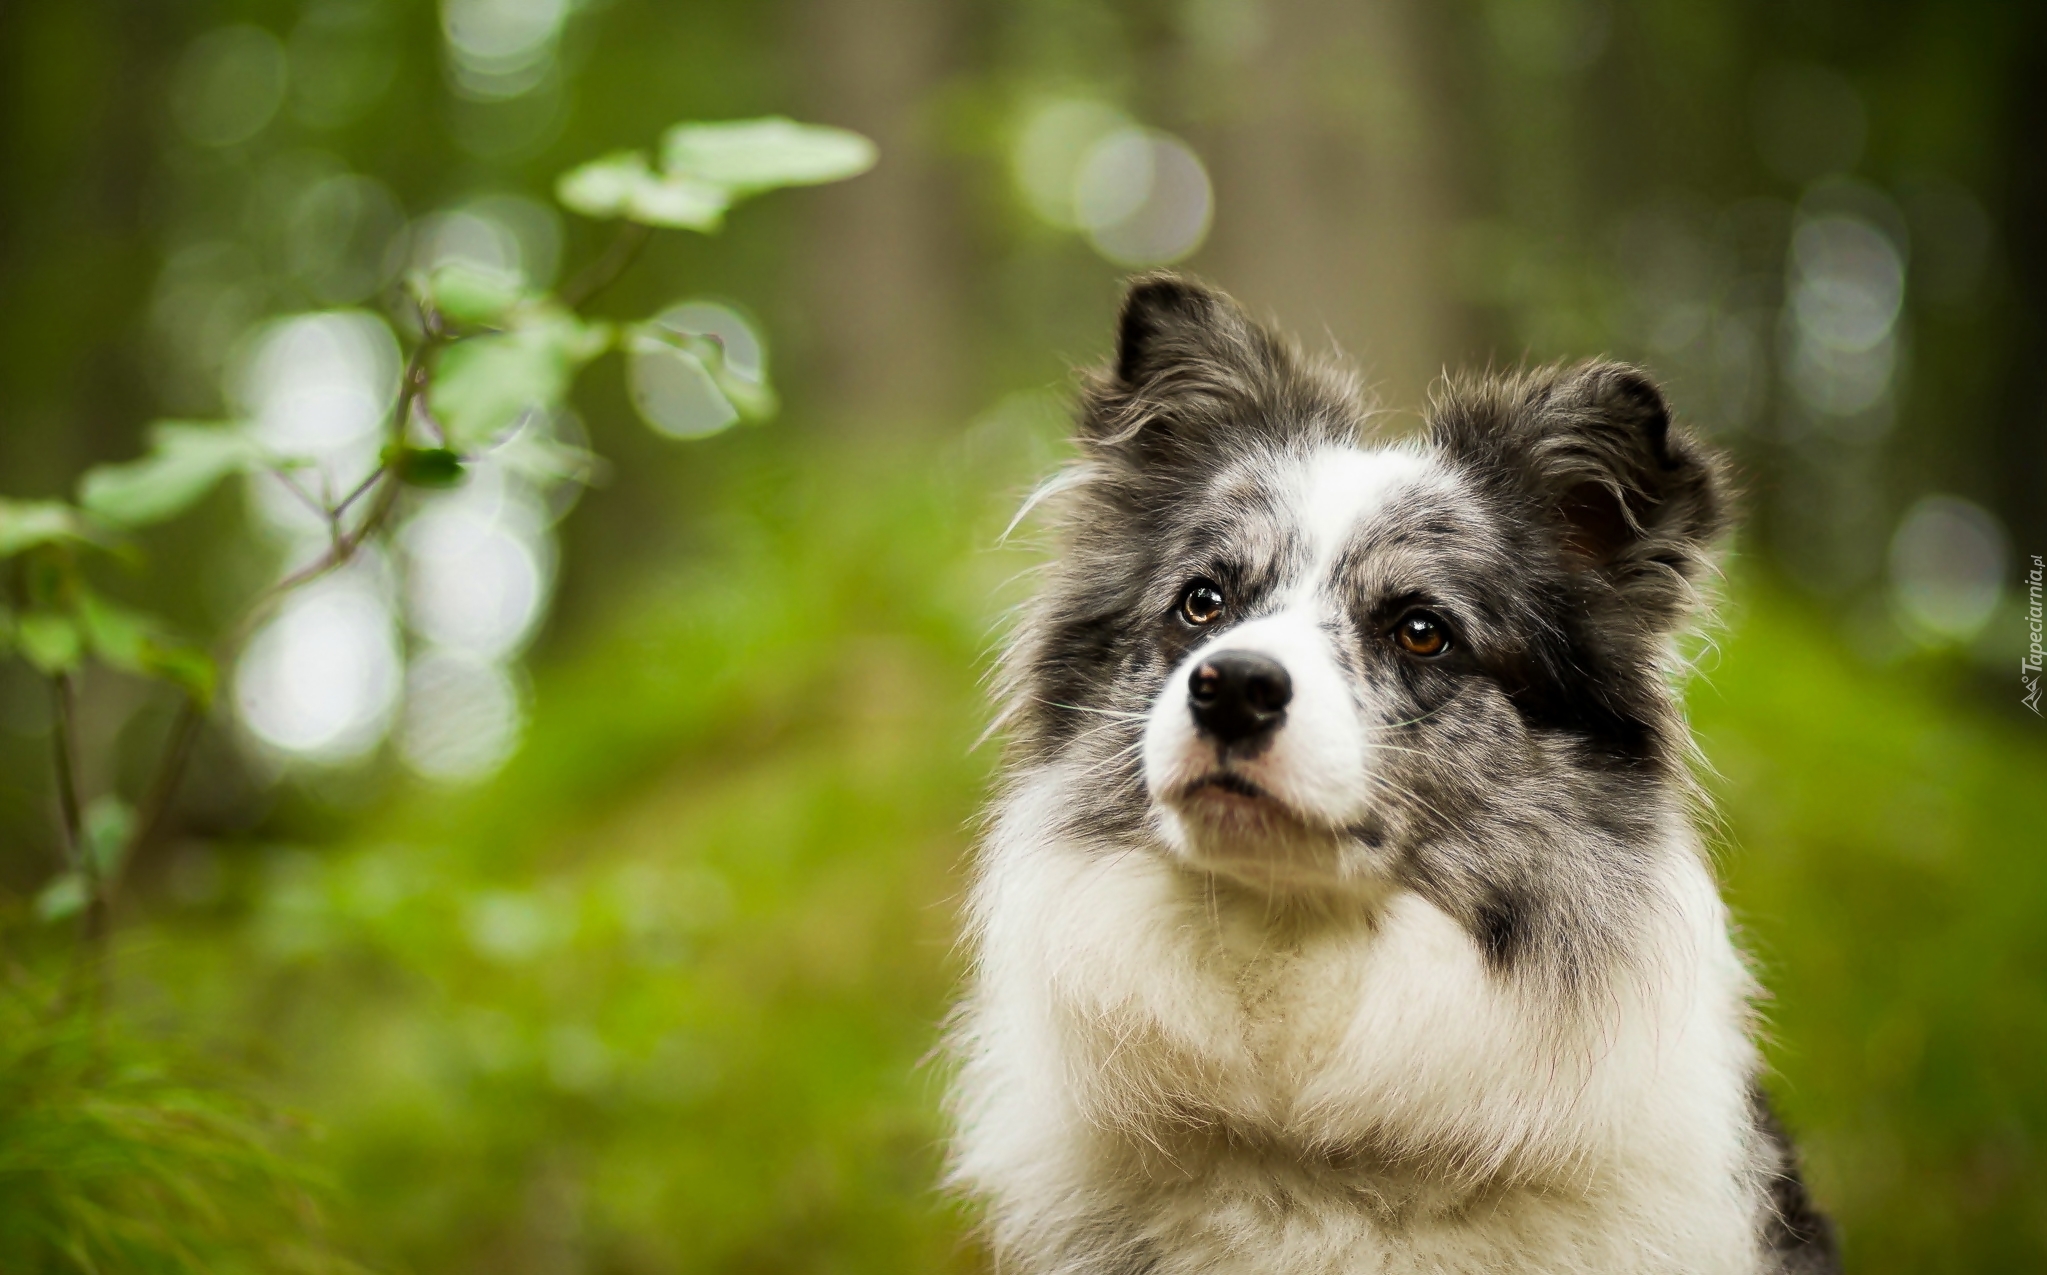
[383, 480]
[319, 507]
[163, 785]
[171, 763]
[306, 498]
[63, 735]
[64, 740]
[369, 480]
[604, 271]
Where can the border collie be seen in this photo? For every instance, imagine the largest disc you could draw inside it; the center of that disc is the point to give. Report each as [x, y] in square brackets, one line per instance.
[1344, 910]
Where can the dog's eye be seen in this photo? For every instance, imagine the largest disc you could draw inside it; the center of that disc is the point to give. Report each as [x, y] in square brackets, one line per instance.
[1422, 633]
[1201, 602]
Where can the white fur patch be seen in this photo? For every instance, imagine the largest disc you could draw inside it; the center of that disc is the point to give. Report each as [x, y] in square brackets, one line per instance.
[1122, 1002]
[1340, 487]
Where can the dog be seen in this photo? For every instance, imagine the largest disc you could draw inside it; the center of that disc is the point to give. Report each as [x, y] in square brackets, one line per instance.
[1343, 908]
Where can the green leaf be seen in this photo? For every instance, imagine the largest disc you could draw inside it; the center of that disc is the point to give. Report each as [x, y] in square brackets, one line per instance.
[545, 461]
[603, 187]
[755, 401]
[680, 203]
[430, 467]
[673, 390]
[118, 636]
[709, 394]
[485, 385]
[185, 461]
[188, 668]
[63, 897]
[24, 524]
[621, 185]
[746, 156]
[471, 294]
[134, 642]
[49, 641]
[705, 167]
[108, 823]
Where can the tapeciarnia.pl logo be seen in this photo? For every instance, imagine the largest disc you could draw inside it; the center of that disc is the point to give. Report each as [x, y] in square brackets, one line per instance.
[2029, 666]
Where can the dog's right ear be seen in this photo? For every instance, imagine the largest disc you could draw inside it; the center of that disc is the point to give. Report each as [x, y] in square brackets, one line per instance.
[1187, 361]
[1172, 326]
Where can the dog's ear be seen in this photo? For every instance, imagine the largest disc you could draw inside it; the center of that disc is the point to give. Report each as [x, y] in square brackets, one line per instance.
[1626, 493]
[1172, 327]
[1190, 370]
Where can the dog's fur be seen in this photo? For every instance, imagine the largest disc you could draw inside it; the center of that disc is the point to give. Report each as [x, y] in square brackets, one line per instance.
[1434, 975]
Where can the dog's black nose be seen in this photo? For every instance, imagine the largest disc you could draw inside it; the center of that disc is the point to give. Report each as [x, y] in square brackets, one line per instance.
[1237, 695]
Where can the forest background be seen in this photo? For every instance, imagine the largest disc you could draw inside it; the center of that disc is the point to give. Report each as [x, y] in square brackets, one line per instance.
[569, 884]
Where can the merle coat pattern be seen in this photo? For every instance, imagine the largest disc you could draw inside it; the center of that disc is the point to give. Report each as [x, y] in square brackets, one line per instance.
[1343, 911]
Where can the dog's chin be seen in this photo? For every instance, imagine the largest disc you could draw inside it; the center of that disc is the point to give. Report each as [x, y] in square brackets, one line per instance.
[1227, 825]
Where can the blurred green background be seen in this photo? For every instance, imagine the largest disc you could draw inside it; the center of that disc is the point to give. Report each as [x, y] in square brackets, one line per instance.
[636, 966]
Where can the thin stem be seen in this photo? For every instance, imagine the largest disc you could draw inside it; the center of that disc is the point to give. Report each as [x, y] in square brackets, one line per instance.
[369, 480]
[319, 507]
[163, 785]
[604, 271]
[93, 920]
[306, 498]
[63, 734]
[383, 480]
[414, 385]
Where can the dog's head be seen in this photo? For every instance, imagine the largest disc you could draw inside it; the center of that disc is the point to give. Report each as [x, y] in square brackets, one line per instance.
[1280, 652]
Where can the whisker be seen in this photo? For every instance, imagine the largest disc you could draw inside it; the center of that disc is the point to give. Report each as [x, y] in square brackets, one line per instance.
[1102, 728]
[1402, 794]
[1110, 760]
[1102, 712]
[1415, 721]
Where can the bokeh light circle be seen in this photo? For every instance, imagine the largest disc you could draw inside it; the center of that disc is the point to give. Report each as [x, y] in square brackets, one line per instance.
[1143, 198]
[320, 680]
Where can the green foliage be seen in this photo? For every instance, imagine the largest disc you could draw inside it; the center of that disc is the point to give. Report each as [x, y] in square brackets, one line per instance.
[136, 643]
[109, 822]
[621, 185]
[743, 397]
[107, 1163]
[470, 295]
[111, 1161]
[185, 462]
[51, 643]
[749, 156]
[65, 896]
[72, 620]
[706, 168]
[664, 985]
[479, 386]
[1882, 856]
[429, 467]
[485, 385]
[30, 524]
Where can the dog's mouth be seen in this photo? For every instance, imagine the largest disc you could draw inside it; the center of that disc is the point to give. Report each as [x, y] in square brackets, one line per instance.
[1229, 800]
[1233, 784]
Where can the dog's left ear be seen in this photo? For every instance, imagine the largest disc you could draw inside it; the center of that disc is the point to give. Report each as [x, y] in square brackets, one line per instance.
[1627, 493]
